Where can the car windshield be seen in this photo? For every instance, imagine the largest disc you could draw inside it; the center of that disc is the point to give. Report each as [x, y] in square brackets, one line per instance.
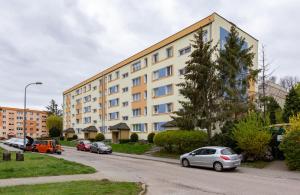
[101, 144]
[227, 151]
[86, 142]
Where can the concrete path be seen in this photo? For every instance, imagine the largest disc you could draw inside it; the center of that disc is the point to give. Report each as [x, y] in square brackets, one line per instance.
[8, 148]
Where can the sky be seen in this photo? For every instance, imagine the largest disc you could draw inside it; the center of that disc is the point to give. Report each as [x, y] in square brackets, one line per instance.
[63, 42]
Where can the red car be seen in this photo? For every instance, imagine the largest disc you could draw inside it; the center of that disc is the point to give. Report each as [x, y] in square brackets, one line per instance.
[84, 145]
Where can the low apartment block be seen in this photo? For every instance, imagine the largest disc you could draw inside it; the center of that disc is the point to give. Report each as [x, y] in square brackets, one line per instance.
[140, 93]
[12, 123]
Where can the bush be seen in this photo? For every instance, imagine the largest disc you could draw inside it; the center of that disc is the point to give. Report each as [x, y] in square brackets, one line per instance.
[75, 137]
[251, 136]
[99, 137]
[180, 141]
[150, 137]
[134, 137]
[290, 146]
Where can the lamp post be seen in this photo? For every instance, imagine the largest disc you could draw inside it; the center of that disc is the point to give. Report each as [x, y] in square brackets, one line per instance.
[24, 125]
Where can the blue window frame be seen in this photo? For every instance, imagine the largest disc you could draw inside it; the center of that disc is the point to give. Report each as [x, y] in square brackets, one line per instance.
[113, 115]
[136, 66]
[114, 102]
[136, 112]
[163, 90]
[158, 126]
[136, 81]
[139, 127]
[163, 72]
[162, 108]
[113, 89]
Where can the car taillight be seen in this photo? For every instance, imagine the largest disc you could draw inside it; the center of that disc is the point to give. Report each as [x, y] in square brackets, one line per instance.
[225, 157]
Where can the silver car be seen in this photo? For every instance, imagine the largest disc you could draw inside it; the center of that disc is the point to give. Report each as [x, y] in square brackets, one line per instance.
[100, 148]
[215, 157]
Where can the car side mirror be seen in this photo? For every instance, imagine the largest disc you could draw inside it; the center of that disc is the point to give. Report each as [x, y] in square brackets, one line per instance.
[193, 153]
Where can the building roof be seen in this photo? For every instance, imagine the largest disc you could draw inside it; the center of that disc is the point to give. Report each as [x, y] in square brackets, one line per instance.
[119, 126]
[69, 130]
[22, 109]
[90, 129]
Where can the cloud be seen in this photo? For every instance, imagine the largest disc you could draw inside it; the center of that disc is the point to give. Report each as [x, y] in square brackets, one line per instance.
[64, 42]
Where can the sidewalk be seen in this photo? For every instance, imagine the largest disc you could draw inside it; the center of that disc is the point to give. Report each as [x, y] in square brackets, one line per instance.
[8, 148]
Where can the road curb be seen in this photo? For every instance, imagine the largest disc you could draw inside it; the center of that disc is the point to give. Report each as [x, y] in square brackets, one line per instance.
[145, 158]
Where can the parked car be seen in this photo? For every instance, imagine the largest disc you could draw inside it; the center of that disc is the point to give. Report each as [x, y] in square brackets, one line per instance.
[215, 157]
[100, 148]
[13, 142]
[46, 146]
[83, 145]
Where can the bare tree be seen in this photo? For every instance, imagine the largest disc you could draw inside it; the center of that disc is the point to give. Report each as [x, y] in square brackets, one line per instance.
[288, 82]
[273, 79]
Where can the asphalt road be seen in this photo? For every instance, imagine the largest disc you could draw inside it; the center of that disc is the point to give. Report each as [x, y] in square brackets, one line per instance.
[163, 178]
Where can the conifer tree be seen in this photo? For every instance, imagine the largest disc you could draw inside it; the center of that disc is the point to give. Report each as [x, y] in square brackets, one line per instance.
[291, 106]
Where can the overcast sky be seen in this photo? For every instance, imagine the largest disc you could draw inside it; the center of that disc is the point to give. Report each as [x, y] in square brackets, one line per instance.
[64, 42]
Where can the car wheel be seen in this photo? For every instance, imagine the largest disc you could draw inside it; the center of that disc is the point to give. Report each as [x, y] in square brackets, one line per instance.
[99, 152]
[185, 163]
[78, 149]
[218, 166]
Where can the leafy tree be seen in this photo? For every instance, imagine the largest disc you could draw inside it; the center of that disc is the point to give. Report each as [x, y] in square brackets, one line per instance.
[150, 137]
[292, 105]
[290, 146]
[134, 137]
[294, 123]
[251, 135]
[236, 69]
[53, 109]
[201, 88]
[54, 125]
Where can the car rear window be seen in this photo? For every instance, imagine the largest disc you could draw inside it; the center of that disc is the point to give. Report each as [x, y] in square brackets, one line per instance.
[227, 151]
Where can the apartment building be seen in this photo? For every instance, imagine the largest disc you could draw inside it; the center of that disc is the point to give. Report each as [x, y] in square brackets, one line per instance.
[140, 93]
[12, 123]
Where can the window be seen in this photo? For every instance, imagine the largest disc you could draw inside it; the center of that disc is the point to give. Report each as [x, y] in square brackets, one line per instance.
[114, 102]
[125, 104]
[125, 89]
[145, 95]
[182, 71]
[155, 58]
[94, 110]
[113, 89]
[109, 77]
[184, 50]
[136, 97]
[136, 66]
[163, 72]
[140, 127]
[78, 101]
[87, 109]
[145, 78]
[94, 88]
[125, 118]
[158, 126]
[125, 75]
[100, 105]
[146, 62]
[113, 115]
[94, 99]
[161, 91]
[136, 81]
[169, 52]
[86, 120]
[162, 108]
[117, 73]
[87, 98]
[136, 112]
[145, 111]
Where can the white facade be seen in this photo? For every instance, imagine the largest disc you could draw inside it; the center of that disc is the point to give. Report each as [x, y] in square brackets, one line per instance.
[180, 43]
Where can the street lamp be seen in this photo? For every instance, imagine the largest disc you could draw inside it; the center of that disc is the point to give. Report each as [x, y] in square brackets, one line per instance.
[24, 125]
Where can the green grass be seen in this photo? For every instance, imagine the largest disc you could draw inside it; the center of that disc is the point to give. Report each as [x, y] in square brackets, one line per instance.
[68, 143]
[131, 148]
[36, 165]
[255, 164]
[75, 187]
[164, 154]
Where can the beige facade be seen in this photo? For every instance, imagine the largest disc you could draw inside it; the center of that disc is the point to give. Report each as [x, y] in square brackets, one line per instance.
[142, 90]
[12, 122]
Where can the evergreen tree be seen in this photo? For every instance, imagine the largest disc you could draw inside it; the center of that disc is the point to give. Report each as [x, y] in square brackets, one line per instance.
[272, 108]
[292, 105]
[53, 108]
[200, 88]
[236, 69]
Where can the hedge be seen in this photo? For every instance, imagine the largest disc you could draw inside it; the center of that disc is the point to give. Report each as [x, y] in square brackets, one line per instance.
[180, 141]
[290, 146]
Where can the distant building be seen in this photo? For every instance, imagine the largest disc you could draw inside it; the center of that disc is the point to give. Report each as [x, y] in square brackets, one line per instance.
[12, 122]
[274, 90]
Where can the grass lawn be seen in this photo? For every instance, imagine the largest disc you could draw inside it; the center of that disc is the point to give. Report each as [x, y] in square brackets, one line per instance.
[255, 164]
[75, 187]
[40, 165]
[164, 154]
[131, 148]
[68, 143]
